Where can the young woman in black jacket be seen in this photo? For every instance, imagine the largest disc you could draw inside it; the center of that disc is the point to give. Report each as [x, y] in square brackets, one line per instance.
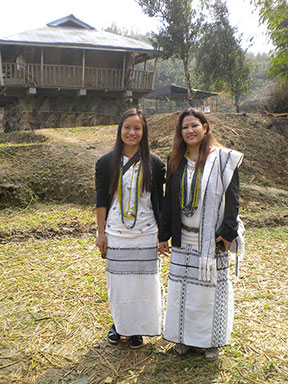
[129, 193]
[200, 215]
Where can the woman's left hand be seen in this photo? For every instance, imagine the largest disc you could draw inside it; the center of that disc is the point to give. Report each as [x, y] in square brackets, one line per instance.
[163, 248]
[226, 242]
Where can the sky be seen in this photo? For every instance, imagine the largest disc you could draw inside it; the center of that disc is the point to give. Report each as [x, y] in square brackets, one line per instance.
[19, 16]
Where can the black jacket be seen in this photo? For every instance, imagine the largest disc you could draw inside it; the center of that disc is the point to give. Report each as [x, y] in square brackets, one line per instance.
[170, 223]
[103, 177]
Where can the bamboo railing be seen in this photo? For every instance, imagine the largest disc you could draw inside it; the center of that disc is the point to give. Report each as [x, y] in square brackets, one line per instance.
[71, 76]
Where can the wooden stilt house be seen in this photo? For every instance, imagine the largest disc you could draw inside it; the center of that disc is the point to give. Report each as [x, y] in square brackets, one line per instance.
[68, 73]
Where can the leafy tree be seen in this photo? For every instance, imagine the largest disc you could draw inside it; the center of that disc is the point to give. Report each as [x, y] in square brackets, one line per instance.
[259, 70]
[169, 71]
[128, 33]
[179, 32]
[221, 63]
[275, 14]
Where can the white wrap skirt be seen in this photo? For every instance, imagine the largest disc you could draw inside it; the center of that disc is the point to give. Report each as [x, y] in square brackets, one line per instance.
[198, 313]
[134, 287]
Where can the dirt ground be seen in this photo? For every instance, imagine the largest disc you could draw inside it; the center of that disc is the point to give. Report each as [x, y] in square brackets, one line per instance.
[58, 164]
[260, 137]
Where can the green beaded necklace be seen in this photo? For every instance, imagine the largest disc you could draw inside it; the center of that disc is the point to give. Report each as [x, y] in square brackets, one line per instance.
[189, 204]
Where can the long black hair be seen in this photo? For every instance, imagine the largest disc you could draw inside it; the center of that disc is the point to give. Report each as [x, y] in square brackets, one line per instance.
[179, 145]
[144, 152]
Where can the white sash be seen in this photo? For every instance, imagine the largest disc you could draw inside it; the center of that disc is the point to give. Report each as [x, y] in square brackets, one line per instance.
[217, 175]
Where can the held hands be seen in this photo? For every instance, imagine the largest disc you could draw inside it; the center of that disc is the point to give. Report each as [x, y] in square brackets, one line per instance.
[226, 242]
[101, 243]
[163, 248]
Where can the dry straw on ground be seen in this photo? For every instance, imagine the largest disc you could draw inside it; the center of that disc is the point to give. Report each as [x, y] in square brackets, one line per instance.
[55, 316]
[54, 313]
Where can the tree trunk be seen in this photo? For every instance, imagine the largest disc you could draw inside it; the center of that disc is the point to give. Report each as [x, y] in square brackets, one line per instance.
[236, 102]
[188, 81]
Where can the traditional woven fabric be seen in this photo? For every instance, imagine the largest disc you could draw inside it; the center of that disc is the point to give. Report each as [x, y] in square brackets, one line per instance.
[134, 287]
[132, 268]
[199, 313]
[136, 260]
[145, 223]
[132, 264]
[217, 175]
[200, 296]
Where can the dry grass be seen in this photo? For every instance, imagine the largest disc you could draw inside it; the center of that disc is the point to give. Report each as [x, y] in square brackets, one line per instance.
[54, 314]
[51, 164]
[83, 136]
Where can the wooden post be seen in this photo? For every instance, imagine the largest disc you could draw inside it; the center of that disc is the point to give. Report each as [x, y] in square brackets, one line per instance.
[145, 77]
[83, 68]
[42, 66]
[154, 72]
[123, 71]
[1, 73]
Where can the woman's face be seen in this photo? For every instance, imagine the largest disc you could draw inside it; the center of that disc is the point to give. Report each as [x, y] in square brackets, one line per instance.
[132, 131]
[193, 131]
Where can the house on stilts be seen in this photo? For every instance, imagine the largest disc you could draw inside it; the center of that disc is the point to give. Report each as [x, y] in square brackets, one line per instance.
[71, 74]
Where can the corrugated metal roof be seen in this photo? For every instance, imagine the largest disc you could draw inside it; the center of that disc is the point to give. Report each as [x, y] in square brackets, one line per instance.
[176, 89]
[76, 37]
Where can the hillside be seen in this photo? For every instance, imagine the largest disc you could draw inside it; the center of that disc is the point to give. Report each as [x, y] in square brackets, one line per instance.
[58, 164]
[256, 135]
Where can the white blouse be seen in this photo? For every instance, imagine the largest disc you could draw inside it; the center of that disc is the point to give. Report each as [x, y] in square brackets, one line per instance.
[193, 221]
[145, 223]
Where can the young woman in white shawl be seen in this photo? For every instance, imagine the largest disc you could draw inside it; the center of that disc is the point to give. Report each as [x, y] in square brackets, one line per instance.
[129, 194]
[200, 215]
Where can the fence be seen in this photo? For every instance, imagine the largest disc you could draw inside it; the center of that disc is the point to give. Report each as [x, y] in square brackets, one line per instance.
[70, 76]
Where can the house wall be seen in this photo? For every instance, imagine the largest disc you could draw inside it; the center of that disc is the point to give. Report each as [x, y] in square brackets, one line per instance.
[10, 52]
[65, 56]
[102, 59]
[104, 102]
[59, 112]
